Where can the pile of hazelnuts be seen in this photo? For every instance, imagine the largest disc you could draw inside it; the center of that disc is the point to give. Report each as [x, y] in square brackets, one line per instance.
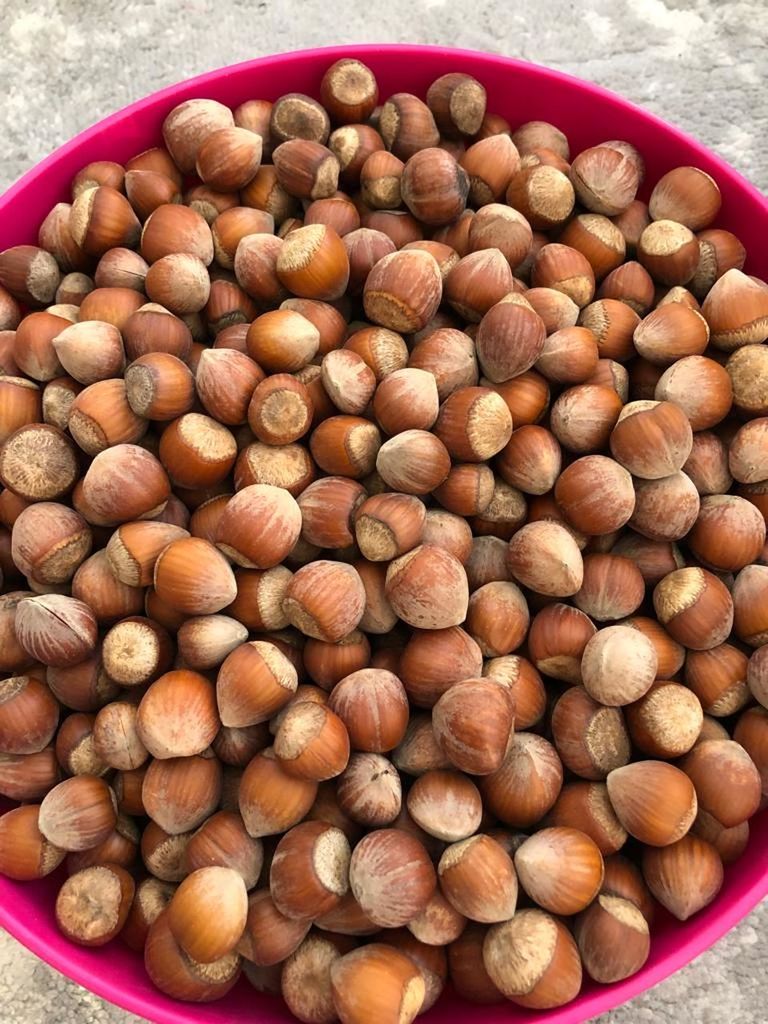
[385, 580]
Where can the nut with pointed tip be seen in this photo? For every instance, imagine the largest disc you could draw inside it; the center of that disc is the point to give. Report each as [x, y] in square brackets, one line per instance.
[428, 588]
[312, 742]
[177, 716]
[270, 800]
[373, 705]
[669, 252]
[369, 790]
[377, 982]
[473, 722]
[25, 853]
[591, 739]
[193, 577]
[78, 814]
[695, 607]
[726, 780]
[325, 600]
[478, 878]
[556, 641]
[618, 665]
[207, 913]
[310, 870]
[413, 462]
[403, 290]
[445, 804]
[684, 877]
[391, 877]
[533, 960]
[561, 869]
[101, 218]
[613, 939]
[544, 557]
[179, 976]
[612, 588]
[56, 630]
[655, 802]
[254, 682]
[180, 793]
[527, 784]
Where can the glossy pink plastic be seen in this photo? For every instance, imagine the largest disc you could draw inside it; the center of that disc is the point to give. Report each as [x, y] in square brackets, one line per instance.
[520, 92]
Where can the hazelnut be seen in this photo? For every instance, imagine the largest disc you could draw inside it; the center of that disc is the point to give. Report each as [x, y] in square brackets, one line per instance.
[477, 282]
[590, 738]
[686, 195]
[434, 186]
[613, 939]
[348, 380]
[56, 630]
[669, 252]
[595, 495]
[258, 527]
[414, 462]
[685, 876]
[217, 895]
[556, 641]
[346, 446]
[700, 387]
[561, 869]
[695, 607]
[583, 417]
[533, 960]
[510, 339]
[313, 263]
[377, 982]
[427, 588]
[29, 715]
[270, 800]
[177, 975]
[391, 877]
[38, 463]
[478, 878]
[472, 723]
[527, 784]
[406, 399]
[544, 557]
[654, 801]
[736, 308]
[497, 618]
[254, 682]
[403, 290]
[177, 716]
[543, 194]
[605, 178]
[671, 332]
[193, 577]
[445, 804]
[93, 904]
[309, 871]
[373, 705]
[77, 814]
[652, 439]
[727, 783]
[26, 853]
[612, 588]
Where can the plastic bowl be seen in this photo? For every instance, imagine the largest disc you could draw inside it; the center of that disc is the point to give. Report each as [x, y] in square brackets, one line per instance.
[520, 92]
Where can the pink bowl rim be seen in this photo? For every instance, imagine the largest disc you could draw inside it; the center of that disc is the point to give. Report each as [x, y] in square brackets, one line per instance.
[729, 914]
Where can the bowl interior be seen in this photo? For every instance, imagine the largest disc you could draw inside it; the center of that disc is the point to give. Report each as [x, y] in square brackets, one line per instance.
[520, 92]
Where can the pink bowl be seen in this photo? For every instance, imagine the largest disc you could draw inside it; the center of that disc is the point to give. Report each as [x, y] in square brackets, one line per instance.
[520, 92]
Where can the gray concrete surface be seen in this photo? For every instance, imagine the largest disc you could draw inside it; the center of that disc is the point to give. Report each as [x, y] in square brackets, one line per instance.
[702, 65]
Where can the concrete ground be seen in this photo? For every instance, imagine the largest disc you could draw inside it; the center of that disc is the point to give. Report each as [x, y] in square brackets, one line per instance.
[702, 64]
